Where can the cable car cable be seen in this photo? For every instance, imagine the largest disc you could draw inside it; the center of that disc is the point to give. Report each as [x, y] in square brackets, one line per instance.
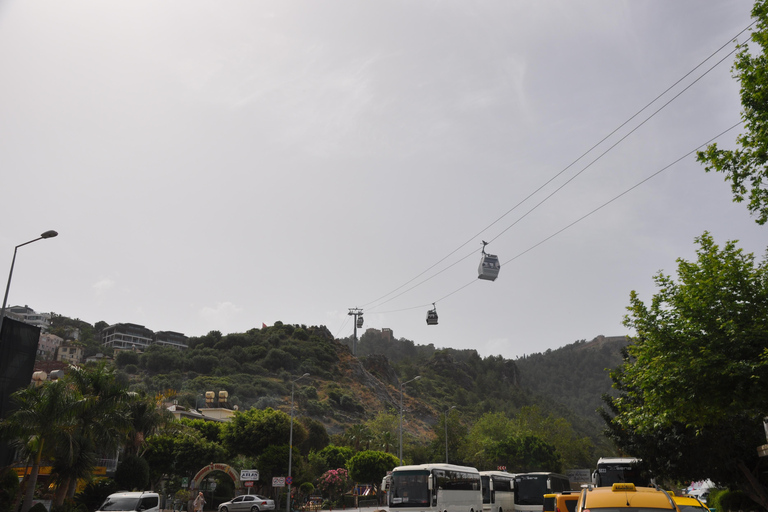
[676, 161]
[569, 166]
[551, 194]
[633, 130]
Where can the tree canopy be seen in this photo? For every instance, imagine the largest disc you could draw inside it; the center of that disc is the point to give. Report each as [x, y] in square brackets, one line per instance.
[747, 166]
[693, 386]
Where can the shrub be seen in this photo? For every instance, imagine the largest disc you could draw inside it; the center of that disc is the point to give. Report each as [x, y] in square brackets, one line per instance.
[9, 487]
[735, 500]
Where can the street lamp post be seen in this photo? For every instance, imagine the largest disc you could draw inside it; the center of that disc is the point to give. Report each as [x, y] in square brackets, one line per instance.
[446, 432]
[402, 386]
[290, 445]
[47, 234]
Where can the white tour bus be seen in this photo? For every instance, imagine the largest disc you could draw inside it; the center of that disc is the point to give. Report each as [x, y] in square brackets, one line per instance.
[498, 491]
[435, 487]
[612, 470]
[530, 489]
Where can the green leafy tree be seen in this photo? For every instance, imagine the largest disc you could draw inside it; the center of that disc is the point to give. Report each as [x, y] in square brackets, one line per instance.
[526, 453]
[574, 451]
[371, 466]
[483, 438]
[702, 341]
[330, 457]
[252, 431]
[457, 438]
[317, 435]
[746, 168]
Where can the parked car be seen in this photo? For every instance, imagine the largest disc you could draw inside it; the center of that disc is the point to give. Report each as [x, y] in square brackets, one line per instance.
[247, 503]
[131, 502]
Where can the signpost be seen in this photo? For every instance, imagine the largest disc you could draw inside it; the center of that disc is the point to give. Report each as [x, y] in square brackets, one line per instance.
[278, 481]
[249, 474]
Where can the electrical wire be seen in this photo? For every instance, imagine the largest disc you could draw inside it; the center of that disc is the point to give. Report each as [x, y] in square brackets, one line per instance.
[614, 131]
[590, 164]
[595, 210]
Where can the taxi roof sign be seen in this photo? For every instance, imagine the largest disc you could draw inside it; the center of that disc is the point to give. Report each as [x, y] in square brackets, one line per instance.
[623, 486]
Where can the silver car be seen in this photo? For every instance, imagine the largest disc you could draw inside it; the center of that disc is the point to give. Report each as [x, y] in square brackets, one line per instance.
[247, 503]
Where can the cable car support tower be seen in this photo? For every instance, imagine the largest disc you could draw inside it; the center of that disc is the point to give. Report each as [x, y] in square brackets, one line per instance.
[358, 314]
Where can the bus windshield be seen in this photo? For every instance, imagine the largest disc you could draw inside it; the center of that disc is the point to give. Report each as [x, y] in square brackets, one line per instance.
[609, 474]
[409, 488]
[530, 489]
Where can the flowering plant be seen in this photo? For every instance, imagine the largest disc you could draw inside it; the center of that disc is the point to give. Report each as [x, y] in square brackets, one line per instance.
[334, 482]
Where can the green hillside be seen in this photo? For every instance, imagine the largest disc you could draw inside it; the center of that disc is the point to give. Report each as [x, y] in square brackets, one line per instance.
[343, 391]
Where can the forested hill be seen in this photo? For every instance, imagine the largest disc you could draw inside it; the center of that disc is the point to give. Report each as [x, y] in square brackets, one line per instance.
[345, 389]
[576, 375]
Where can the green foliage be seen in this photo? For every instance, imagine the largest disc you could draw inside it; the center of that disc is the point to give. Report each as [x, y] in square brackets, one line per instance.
[252, 431]
[693, 386]
[702, 341]
[9, 489]
[575, 374]
[132, 473]
[526, 453]
[330, 457]
[735, 501]
[126, 357]
[371, 466]
[317, 435]
[747, 166]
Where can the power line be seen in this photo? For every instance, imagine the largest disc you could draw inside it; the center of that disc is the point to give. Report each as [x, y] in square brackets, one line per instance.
[537, 190]
[595, 210]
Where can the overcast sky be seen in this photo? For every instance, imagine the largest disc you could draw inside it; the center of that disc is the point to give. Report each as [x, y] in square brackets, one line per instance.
[219, 165]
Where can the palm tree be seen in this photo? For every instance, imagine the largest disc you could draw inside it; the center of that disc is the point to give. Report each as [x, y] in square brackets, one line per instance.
[358, 435]
[147, 417]
[42, 418]
[387, 440]
[102, 420]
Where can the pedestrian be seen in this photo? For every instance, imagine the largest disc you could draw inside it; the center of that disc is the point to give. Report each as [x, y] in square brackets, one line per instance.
[199, 502]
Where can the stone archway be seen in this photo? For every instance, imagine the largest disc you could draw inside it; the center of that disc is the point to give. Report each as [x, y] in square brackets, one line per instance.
[210, 468]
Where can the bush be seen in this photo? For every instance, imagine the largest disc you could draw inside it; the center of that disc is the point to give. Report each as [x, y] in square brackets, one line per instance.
[9, 487]
[733, 501]
[126, 357]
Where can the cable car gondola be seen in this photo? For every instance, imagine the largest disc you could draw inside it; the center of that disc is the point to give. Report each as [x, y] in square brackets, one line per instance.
[359, 321]
[432, 315]
[489, 266]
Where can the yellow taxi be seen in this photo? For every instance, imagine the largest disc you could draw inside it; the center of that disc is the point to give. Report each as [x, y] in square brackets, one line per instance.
[625, 497]
[565, 501]
[549, 503]
[689, 504]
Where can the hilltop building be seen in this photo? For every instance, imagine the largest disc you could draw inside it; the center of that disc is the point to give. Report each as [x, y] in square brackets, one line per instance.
[126, 336]
[28, 315]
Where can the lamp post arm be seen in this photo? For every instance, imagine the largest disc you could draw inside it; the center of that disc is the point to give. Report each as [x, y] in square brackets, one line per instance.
[48, 234]
[8, 286]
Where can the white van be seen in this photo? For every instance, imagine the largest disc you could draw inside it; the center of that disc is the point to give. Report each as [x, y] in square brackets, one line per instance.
[131, 502]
